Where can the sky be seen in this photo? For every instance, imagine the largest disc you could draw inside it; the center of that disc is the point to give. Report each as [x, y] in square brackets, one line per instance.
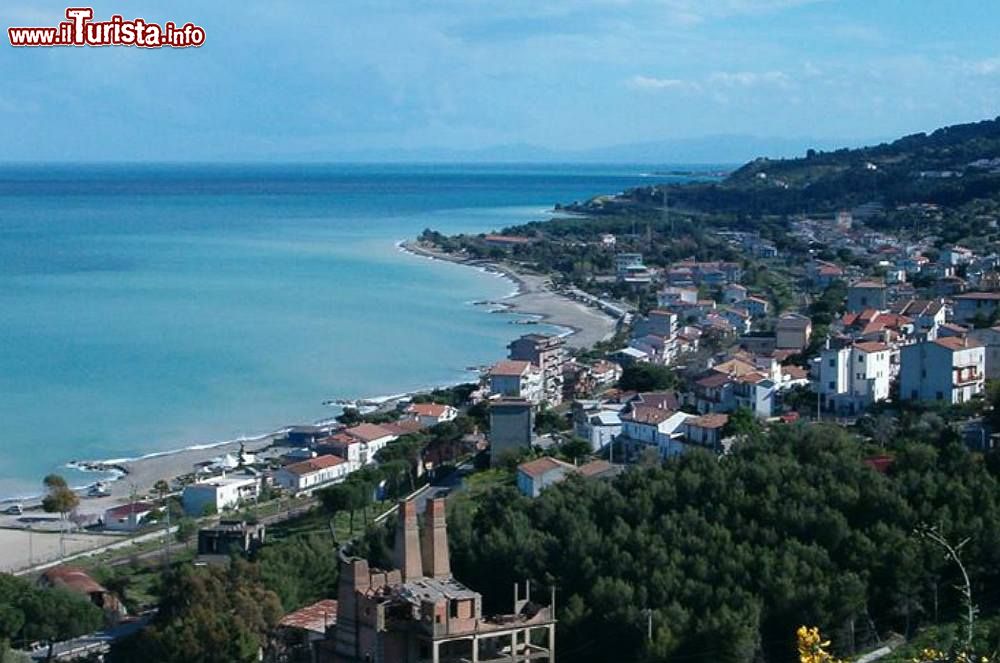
[341, 79]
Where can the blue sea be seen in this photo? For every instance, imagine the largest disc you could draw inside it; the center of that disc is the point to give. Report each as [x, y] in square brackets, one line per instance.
[150, 308]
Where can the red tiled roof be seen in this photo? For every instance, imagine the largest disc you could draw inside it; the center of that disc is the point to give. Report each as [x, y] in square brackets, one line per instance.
[709, 421]
[795, 372]
[403, 427]
[314, 465]
[955, 343]
[644, 414]
[595, 467]
[542, 466]
[510, 368]
[715, 379]
[367, 432]
[428, 409]
[125, 510]
[317, 617]
[73, 578]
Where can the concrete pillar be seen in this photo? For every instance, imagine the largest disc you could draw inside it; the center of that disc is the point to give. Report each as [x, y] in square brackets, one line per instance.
[434, 540]
[435, 654]
[475, 649]
[552, 643]
[513, 647]
[407, 548]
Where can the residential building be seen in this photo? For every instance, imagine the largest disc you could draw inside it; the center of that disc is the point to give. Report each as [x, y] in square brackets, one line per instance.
[824, 274]
[927, 315]
[973, 306]
[547, 353]
[734, 293]
[867, 294]
[647, 426]
[990, 339]
[661, 322]
[219, 493]
[852, 378]
[517, 379]
[713, 392]
[630, 269]
[127, 517]
[605, 373]
[706, 431]
[512, 426]
[792, 332]
[418, 612]
[628, 356]
[756, 392]
[758, 307]
[946, 369]
[739, 318]
[536, 475]
[432, 414]
[308, 475]
[673, 296]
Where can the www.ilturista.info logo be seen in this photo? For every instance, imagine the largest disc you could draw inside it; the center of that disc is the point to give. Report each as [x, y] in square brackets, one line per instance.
[81, 30]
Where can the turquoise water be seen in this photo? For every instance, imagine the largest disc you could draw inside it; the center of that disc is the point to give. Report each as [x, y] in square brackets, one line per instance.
[152, 308]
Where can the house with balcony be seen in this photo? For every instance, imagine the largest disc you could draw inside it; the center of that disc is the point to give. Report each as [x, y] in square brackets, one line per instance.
[517, 379]
[949, 369]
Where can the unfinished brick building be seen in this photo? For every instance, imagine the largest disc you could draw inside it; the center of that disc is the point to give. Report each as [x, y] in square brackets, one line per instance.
[418, 613]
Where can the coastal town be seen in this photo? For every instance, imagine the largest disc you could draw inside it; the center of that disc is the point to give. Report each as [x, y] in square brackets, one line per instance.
[695, 355]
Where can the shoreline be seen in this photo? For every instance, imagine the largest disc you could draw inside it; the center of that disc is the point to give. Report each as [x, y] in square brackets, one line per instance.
[584, 325]
[531, 299]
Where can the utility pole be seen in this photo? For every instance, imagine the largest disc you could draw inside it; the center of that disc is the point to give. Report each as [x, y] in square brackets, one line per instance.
[649, 625]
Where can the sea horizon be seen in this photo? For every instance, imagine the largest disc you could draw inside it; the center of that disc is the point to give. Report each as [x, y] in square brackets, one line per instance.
[149, 310]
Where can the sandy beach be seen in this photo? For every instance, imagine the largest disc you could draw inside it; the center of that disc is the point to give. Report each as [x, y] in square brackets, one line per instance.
[535, 297]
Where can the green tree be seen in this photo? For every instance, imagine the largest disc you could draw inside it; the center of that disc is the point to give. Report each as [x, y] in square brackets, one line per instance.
[644, 377]
[207, 614]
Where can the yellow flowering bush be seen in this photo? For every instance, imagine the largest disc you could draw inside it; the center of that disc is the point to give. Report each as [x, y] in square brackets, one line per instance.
[812, 647]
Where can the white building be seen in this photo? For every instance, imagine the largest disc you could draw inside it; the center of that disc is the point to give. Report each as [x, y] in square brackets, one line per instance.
[534, 476]
[654, 427]
[432, 414]
[851, 379]
[309, 475]
[947, 369]
[127, 517]
[219, 493]
[598, 425]
[518, 379]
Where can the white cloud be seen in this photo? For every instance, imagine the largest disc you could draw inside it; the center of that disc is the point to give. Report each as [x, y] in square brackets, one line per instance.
[987, 67]
[640, 82]
[714, 81]
[750, 78]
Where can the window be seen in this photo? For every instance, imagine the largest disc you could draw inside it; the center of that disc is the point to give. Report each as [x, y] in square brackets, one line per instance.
[861, 359]
[940, 396]
[833, 385]
[832, 363]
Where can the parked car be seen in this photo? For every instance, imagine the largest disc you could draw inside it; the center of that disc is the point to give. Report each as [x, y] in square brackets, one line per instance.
[14, 510]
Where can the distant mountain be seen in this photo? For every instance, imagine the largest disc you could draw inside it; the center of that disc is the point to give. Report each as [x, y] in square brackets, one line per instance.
[715, 149]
